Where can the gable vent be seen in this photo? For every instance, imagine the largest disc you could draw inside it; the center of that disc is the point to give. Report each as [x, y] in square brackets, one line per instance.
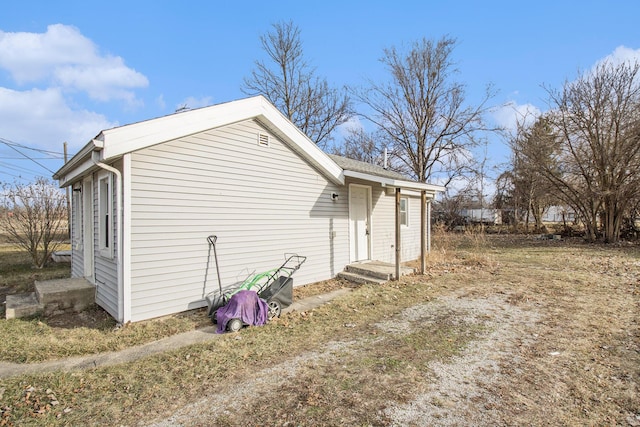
[263, 139]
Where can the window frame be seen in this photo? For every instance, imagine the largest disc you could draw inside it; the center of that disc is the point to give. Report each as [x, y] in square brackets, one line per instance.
[404, 213]
[105, 214]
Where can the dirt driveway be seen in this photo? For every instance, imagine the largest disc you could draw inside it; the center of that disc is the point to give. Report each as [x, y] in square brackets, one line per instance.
[538, 335]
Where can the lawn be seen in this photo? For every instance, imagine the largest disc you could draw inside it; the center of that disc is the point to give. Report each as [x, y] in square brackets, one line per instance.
[500, 331]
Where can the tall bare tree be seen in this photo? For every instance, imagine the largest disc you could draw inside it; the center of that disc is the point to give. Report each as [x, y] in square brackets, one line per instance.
[533, 149]
[290, 83]
[358, 144]
[421, 111]
[589, 151]
[35, 218]
[598, 121]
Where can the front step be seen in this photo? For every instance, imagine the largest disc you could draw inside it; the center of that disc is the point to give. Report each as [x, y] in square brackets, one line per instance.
[360, 279]
[60, 295]
[22, 305]
[372, 272]
[52, 297]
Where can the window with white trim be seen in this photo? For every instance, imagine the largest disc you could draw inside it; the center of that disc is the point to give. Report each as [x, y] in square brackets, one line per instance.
[404, 211]
[105, 215]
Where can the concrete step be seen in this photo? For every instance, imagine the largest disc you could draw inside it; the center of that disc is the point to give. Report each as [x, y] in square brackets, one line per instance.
[22, 305]
[73, 294]
[359, 278]
[366, 270]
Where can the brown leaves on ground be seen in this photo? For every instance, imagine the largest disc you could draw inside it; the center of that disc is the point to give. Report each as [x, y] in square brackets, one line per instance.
[499, 332]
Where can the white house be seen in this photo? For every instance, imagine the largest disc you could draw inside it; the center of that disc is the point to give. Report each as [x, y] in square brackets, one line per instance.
[147, 195]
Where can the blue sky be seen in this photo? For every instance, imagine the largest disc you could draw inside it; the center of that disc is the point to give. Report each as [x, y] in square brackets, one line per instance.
[69, 69]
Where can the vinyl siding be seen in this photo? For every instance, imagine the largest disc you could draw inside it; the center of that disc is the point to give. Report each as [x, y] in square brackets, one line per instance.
[261, 202]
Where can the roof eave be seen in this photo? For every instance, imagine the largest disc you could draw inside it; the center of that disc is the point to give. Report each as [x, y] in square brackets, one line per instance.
[78, 163]
[396, 183]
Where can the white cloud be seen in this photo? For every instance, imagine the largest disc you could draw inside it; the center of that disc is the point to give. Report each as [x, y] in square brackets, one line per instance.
[160, 102]
[509, 115]
[353, 124]
[620, 55]
[62, 56]
[43, 119]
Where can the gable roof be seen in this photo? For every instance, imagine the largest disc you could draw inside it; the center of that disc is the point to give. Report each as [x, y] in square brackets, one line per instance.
[111, 144]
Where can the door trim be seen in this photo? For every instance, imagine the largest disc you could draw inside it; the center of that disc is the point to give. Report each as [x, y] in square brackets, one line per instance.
[87, 229]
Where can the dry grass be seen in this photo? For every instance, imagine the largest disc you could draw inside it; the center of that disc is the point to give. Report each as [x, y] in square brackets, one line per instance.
[38, 339]
[570, 357]
[18, 274]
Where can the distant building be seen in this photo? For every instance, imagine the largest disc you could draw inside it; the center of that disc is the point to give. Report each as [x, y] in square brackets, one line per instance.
[559, 214]
[485, 216]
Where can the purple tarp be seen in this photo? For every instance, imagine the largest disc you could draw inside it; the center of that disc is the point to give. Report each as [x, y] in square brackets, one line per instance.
[244, 305]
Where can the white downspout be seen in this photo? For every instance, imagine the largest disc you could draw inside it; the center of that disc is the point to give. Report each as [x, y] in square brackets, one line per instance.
[120, 257]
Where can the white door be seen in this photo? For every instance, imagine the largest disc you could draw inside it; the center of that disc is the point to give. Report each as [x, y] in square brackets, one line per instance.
[359, 222]
[87, 225]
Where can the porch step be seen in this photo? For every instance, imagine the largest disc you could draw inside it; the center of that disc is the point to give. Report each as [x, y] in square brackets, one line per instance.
[72, 294]
[372, 272]
[359, 278]
[22, 305]
[52, 297]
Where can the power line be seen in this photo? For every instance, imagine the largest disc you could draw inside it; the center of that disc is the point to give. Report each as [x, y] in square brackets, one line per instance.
[8, 142]
[18, 168]
[20, 152]
[21, 157]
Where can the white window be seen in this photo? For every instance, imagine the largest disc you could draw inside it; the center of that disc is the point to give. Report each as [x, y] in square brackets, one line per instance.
[404, 211]
[105, 215]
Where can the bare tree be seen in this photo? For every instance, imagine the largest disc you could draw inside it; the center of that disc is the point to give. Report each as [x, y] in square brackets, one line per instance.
[587, 148]
[290, 83]
[533, 148]
[35, 217]
[421, 110]
[598, 158]
[359, 144]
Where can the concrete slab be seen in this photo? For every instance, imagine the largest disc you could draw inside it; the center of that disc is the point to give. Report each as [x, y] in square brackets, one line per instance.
[61, 256]
[22, 305]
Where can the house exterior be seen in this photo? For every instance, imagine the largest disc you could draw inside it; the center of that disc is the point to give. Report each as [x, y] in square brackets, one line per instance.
[147, 195]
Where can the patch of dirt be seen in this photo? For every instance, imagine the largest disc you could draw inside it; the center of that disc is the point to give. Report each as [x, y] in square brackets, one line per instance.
[452, 382]
[93, 317]
[557, 342]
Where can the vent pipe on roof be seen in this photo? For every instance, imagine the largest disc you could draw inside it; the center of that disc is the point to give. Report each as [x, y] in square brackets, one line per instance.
[386, 159]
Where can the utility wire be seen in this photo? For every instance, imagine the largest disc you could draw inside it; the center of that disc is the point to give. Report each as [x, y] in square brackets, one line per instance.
[21, 157]
[20, 152]
[8, 142]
